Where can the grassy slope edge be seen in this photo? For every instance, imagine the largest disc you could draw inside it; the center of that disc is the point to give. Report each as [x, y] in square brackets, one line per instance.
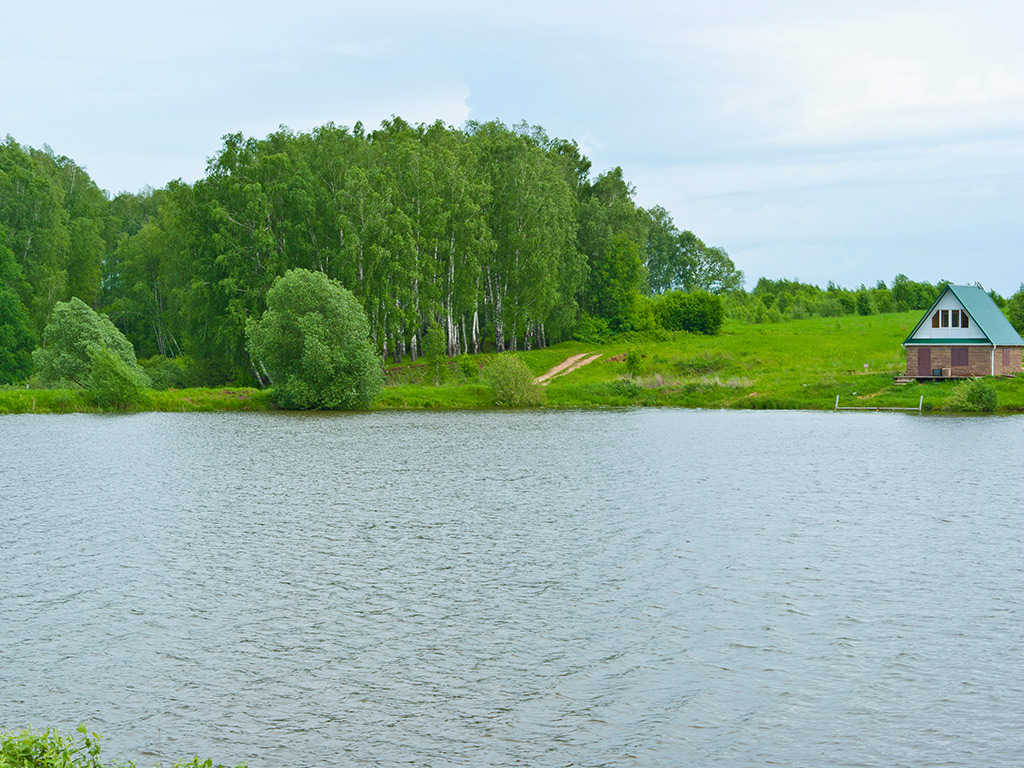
[801, 364]
[798, 364]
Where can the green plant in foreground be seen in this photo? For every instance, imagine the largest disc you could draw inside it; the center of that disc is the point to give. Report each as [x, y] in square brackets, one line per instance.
[973, 396]
[48, 749]
[511, 382]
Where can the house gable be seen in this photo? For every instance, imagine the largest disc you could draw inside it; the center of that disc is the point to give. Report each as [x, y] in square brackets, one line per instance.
[944, 321]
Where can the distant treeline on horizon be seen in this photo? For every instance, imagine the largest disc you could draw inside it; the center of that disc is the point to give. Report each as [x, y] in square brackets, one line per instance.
[501, 236]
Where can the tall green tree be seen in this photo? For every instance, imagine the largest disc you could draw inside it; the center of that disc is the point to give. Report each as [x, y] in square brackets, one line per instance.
[56, 220]
[17, 338]
[668, 264]
[535, 270]
[235, 248]
[31, 210]
[464, 239]
[1014, 310]
[712, 270]
[416, 223]
[150, 284]
[908, 294]
[612, 234]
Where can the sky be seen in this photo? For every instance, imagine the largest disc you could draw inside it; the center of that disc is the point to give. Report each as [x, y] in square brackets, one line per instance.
[813, 141]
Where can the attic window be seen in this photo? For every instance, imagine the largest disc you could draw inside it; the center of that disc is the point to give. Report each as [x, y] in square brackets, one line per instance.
[963, 319]
[955, 318]
[945, 318]
[935, 319]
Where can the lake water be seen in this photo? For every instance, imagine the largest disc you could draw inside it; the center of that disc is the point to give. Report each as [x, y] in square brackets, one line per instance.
[612, 588]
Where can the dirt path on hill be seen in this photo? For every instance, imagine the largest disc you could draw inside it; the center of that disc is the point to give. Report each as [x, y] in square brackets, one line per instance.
[568, 365]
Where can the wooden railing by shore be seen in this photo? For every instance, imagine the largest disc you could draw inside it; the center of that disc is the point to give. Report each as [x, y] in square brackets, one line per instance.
[919, 409]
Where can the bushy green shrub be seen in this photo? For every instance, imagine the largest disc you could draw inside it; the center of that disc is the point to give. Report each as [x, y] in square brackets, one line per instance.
[697, 312]
[469, 368]
[882, 300]
[634, 362]
[435, 350]
[593, 330]
[642, 315]
[48, 749]
[511, 382]
[113, 383]
[314, 342]
[655, 335]
[705, 362]
[973, 396]
[763, 314]
[73, 328]
[864, 304]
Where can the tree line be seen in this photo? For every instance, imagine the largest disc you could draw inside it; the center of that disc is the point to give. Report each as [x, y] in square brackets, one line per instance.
[488, 237]
[779, 300]
[499, 236]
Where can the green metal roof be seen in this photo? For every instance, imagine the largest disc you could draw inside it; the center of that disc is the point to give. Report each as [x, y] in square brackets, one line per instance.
[983, 311]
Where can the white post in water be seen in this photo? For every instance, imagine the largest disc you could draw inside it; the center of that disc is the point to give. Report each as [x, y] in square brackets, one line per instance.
[920, 404]
[837, 402]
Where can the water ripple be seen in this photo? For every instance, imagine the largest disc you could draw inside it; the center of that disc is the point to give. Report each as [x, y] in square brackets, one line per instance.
[621, 588]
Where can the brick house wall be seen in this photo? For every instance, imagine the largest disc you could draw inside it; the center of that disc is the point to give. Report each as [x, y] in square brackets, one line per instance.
[979, 360]
[1011, 364]
[911, 359]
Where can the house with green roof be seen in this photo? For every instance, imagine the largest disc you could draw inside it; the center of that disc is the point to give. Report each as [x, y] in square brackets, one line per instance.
[963, 334]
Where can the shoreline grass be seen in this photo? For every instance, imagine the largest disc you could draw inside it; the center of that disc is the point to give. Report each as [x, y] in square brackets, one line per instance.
[197, 400]
[48, 748]
[800, 364]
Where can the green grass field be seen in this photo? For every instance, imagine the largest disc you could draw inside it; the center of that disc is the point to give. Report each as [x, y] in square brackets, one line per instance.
[798, 364]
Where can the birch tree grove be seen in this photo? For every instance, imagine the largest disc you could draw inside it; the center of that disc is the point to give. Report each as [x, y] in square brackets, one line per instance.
[495, 235]
[473, 231]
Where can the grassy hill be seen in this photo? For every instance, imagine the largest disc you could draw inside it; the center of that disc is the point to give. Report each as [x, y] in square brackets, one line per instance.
[797, 364]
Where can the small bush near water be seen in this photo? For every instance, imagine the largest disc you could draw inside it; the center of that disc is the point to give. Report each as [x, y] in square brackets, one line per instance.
[634, 362]
[313, 341]
[48, 749]
[115, 385]
[511, 382]
[973, 396]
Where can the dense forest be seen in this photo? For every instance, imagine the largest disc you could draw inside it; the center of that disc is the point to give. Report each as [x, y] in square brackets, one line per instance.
[499, 236]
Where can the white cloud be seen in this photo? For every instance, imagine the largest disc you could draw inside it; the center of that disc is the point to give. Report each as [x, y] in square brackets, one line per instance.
[922, 71]
[845, 137]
